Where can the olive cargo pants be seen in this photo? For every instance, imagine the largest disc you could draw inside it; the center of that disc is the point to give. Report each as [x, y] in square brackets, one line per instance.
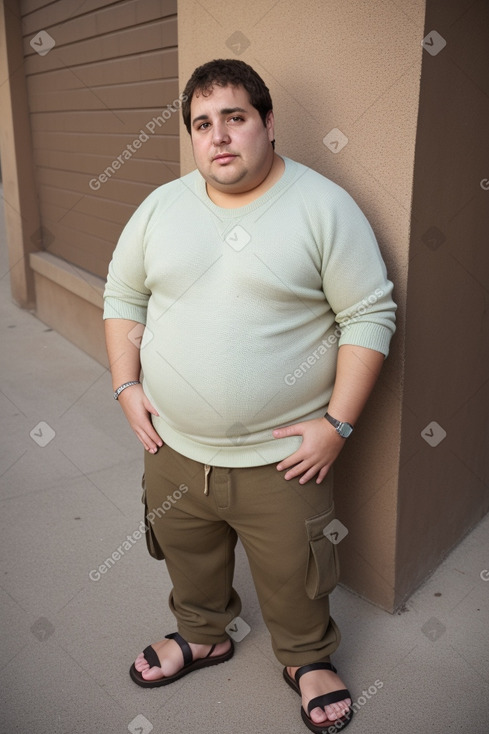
[195, 514]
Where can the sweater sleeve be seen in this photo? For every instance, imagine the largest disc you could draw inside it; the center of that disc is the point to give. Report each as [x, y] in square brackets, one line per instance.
[126, 295]
[354, 276]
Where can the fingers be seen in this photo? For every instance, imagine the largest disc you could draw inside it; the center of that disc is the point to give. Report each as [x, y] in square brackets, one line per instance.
[146, 433]
[305, 467]
[297, 429]
[137, 409]
[148, 436]
[149, 407]
[150, 443]
[316, 454]
[298, 464]
[302, 471]
[322, 474]
[289, 461]
[306, 474]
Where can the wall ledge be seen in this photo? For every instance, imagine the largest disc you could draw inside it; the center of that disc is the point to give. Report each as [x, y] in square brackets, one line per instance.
[87, 286]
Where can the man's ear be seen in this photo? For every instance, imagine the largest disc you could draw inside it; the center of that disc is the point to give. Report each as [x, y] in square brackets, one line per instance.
[270, 125]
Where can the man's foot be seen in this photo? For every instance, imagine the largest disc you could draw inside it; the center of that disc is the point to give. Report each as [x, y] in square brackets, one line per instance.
[317, 683]
[171, 658]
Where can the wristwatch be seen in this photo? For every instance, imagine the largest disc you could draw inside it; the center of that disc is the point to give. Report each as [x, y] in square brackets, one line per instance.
[343, 429]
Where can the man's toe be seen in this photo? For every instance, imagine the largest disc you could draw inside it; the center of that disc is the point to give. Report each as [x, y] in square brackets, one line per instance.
[152, 674]
[318, 716]
[338, 710]
[141, 664]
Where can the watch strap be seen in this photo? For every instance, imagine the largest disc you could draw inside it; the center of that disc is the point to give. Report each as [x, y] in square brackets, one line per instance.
[343, 428]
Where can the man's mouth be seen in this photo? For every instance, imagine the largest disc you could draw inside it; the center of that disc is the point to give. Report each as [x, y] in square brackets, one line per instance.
[224, 157]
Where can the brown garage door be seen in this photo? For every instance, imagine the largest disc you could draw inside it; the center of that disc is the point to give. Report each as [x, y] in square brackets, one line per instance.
[102, 83]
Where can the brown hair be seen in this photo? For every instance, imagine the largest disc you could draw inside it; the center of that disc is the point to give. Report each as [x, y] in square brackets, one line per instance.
[224, 72]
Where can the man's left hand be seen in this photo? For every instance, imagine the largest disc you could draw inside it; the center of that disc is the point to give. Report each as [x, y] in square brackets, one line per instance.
[319, 448]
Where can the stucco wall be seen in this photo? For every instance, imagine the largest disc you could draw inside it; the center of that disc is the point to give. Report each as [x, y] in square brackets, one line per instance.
[444, 466]
[353, 66]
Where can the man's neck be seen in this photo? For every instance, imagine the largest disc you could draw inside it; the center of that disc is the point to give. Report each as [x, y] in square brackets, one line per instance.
[234, 201]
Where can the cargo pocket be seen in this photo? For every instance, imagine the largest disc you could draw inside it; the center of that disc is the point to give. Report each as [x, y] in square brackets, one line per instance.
[322, 564]
[152, 544]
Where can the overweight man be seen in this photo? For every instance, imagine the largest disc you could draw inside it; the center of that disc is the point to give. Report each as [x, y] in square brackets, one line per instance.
[267, 316]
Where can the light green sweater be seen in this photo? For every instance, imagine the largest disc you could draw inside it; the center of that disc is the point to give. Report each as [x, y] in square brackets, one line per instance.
[245, 309]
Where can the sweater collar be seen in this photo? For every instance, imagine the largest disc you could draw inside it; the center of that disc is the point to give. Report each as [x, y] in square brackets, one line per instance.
[275, 190]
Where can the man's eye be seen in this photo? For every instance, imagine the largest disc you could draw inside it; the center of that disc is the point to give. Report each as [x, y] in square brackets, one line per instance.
[236, 118]
[203, 126]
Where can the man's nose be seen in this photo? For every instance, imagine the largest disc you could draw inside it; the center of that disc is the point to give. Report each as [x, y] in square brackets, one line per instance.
[220, 134]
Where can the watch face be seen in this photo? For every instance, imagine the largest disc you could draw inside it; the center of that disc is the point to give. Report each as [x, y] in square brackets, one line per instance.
[345, 430]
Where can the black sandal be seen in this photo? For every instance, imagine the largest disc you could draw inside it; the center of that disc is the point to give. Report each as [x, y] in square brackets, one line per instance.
[189, 664]
[327, 727]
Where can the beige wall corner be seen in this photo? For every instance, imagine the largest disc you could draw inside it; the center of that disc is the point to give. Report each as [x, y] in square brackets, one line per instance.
[444, 472]
[354, 68]
[22, 222]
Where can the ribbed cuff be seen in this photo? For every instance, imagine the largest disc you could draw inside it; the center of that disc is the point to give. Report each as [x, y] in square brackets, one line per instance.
[368, 335]
[115, 309]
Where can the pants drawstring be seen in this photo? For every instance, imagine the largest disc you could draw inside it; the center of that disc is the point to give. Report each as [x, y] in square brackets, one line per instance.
[207, 470]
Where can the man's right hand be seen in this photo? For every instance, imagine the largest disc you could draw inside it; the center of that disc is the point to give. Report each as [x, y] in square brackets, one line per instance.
[137, 410]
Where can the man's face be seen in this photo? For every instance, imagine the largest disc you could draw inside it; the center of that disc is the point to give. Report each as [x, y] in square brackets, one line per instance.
[231, 145]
